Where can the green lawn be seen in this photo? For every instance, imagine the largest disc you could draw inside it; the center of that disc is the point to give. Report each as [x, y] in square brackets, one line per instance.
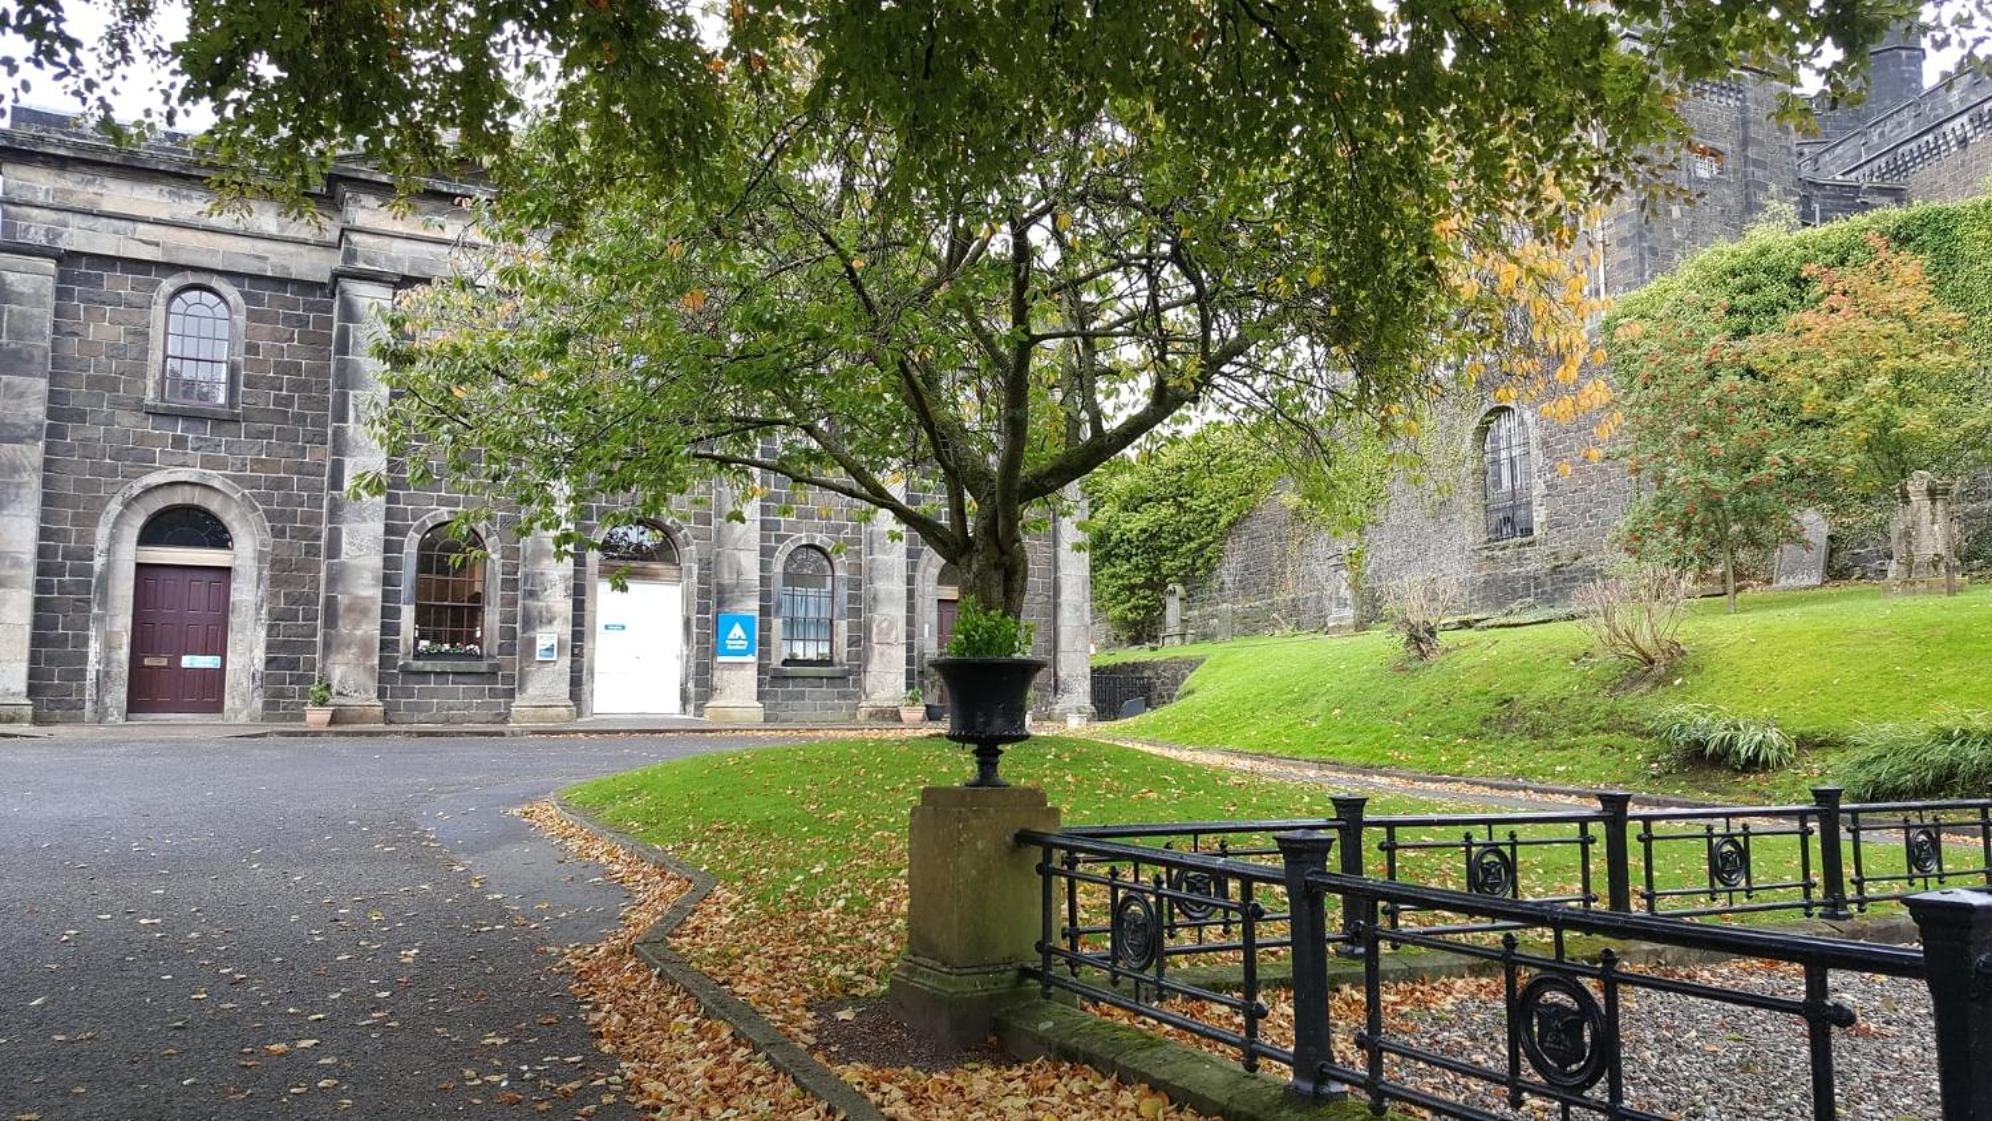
[1534, 703]
[830, 817]
[820, 825]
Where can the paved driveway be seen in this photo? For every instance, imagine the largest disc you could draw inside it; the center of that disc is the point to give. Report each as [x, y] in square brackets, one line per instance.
[294, 927]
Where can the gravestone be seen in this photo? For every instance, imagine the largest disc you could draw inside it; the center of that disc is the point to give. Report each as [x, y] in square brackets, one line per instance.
[1923, 539]
[1173, 633]
[1803, 564]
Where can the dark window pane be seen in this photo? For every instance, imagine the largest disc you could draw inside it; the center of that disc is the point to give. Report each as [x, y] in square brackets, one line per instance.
[641, 542]
[449, 595]
[185, 527]
[198, 328]
[1506, 477]
[805, 607]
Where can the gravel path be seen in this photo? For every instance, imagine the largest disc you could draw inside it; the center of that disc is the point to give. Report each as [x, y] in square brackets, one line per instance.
[1471, 794]
[1700, 1060]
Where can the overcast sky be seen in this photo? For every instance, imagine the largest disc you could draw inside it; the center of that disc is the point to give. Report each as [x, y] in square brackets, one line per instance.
[138, 89]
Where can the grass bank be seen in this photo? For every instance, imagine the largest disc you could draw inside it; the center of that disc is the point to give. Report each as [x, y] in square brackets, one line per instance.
[1536, 703]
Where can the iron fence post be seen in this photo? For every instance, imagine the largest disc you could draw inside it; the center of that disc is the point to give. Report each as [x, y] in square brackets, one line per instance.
[1832, 866]
[1618, 857]
[1349, 809]
[1956, 928]
[1303, 854]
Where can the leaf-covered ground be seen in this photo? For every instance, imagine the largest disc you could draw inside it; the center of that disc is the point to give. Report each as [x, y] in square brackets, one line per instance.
[677, 1062]
[808, 844]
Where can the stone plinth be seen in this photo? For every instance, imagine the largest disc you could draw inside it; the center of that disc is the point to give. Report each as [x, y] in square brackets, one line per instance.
[1923, 539]
[973, 917]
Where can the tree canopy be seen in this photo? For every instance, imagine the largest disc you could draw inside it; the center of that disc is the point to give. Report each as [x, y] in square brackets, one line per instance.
[947, 258]
[1803, 368]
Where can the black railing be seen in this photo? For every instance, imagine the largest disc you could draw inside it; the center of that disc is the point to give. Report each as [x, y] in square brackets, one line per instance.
[1563, 1035]
[1823, 859]
[1187, 924]
[1119, 919]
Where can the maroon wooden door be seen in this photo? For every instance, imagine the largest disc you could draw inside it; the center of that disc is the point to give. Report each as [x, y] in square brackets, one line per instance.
[179, 639]
[944, 621]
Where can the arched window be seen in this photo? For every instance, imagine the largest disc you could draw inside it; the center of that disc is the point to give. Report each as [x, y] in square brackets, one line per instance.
[198, 326]
[185, 527]
[1506, 476]
[643, 546]
[807, 610]
[449, 595]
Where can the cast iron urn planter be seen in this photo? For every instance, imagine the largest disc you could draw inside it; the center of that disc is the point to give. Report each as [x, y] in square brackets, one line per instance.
[989, 701]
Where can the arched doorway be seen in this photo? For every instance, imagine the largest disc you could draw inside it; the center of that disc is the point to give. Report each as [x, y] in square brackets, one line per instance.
[179, 613]
[639, 651]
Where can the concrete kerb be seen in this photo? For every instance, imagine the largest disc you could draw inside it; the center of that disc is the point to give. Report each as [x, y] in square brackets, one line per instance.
[815, 1079]
[1190, 1076]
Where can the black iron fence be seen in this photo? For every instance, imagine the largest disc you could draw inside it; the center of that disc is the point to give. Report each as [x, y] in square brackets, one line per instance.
[1187, 924]
[1825, 859]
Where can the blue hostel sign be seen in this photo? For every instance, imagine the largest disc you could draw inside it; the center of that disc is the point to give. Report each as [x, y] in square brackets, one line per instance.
[736, 637]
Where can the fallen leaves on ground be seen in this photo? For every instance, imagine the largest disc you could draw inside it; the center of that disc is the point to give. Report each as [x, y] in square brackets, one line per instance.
[675, 1060]
[679, 1061]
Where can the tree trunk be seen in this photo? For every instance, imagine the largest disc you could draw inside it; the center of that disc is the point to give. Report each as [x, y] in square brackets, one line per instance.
[996, 570]
[1729, 576]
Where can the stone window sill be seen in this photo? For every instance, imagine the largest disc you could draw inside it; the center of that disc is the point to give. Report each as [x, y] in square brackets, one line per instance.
[449, 665]
[1532, 541]
[811, 671]
[210, 412]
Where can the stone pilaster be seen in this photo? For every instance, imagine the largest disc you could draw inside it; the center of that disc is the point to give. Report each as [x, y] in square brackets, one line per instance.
[355, 528]
[27, 308]
[885, 619]
[736, 589]
[1072, 615]
[546, 608]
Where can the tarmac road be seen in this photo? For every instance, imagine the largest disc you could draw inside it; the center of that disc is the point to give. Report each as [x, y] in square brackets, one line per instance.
[329, 927]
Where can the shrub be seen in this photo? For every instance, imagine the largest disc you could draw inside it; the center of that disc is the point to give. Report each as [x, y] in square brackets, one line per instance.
[1949, 759]
[981, 632]
[1636, 616]
[320, 694]
[1416, 606]
[1713, 736]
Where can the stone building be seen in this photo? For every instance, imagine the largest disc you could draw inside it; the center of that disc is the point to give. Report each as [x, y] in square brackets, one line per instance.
[180, 394]
[1497, 517]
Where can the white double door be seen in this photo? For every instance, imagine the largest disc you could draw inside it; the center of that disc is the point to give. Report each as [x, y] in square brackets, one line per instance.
[639, 647]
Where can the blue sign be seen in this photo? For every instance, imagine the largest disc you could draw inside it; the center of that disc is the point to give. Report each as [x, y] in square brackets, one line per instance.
[736, 638]
[200, 661]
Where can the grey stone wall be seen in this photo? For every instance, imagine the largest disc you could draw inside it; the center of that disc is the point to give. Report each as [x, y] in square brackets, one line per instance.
[1740, 162]
[102, 433]
[445, 691]
[1926, 142]
[1278, 573]
[790, 518]
[1158, 682]
[1439, 528]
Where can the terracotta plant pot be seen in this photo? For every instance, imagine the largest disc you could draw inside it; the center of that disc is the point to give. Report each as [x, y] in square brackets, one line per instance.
[317, 716]
[912, 714]
[989, 705]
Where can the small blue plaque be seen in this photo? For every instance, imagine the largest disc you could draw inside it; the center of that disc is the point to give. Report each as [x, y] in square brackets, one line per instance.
[736, 637]
[200, 661]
